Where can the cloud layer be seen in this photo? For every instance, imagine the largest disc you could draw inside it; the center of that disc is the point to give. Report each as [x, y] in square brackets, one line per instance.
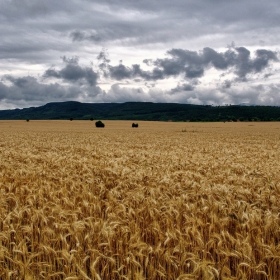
[117, 51]
[192, 64]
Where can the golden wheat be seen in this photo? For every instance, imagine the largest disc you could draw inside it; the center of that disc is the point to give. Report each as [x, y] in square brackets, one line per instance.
[163, 201]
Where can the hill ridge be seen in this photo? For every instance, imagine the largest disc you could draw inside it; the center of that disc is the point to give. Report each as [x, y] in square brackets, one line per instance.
[142, 111]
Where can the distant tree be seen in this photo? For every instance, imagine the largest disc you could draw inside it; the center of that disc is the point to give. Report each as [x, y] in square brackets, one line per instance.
[91, 119]
[27, 120]
[135, 125]
[99, 124]
[71, 119]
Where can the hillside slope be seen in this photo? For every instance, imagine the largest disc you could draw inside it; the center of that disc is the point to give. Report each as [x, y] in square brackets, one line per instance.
[142, 111]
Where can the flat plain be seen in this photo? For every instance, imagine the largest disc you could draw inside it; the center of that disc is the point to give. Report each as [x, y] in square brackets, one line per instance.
[162, 201]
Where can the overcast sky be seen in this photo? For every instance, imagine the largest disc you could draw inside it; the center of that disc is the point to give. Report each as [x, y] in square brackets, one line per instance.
[184, 51]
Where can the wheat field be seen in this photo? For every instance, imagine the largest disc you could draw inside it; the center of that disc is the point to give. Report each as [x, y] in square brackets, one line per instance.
[162, 201]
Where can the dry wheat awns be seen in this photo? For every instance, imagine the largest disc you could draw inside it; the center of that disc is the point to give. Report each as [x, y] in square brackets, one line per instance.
[77, 202]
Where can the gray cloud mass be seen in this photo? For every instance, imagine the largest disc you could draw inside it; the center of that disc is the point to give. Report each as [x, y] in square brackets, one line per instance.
[73, 72]
[159, 51]
[83, 36]
[192, 64]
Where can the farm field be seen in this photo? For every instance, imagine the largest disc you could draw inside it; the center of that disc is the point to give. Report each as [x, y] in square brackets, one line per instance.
[161, 201]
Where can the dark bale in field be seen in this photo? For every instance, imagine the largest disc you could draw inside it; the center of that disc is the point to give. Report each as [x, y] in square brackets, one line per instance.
[99, 124]
[135, 125]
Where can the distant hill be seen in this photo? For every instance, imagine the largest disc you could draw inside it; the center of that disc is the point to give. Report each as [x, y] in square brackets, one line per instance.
[142, 111]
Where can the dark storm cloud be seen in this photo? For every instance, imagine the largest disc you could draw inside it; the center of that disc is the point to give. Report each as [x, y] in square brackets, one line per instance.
[3, 91]
[192, 64]
[28, 91]
[73, 72]
[120, 72]
[183, 87]
[70, 60]
[84, 36]
[245, 64]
